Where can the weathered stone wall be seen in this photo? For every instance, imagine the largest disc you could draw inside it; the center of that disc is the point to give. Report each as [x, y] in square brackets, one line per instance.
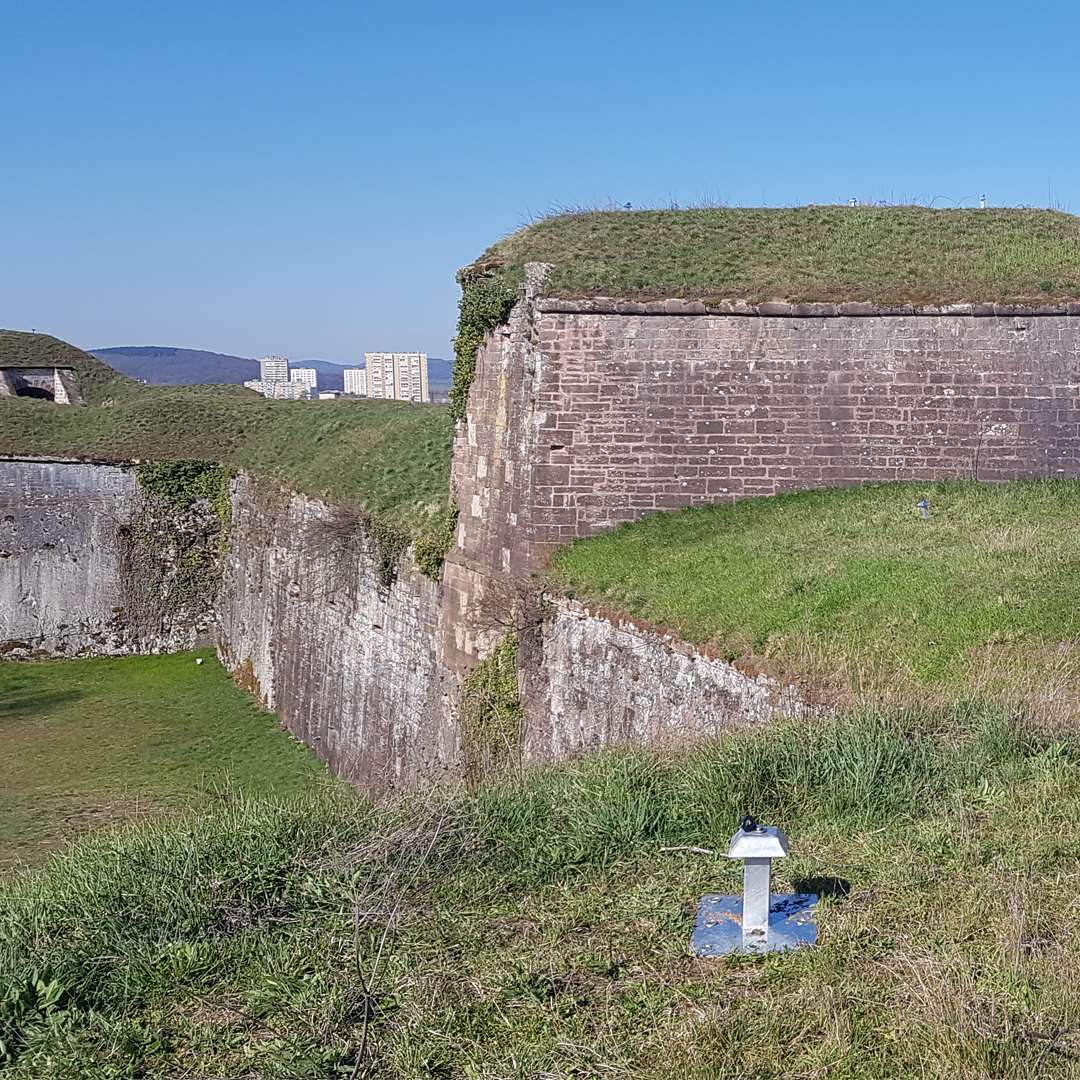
[581, 418]
[588, 682]
[358, 671]
[350, 666]
[85, 564]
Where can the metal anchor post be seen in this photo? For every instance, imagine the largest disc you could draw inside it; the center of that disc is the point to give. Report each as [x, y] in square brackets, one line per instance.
[758, 921]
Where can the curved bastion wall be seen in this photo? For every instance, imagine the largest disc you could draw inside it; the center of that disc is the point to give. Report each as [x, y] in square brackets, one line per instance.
[586, 414]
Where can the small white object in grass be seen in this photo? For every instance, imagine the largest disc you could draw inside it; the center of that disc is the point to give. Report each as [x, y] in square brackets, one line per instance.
[199, 660]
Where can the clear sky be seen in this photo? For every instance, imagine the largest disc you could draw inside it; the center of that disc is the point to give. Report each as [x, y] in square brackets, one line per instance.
[303, 177]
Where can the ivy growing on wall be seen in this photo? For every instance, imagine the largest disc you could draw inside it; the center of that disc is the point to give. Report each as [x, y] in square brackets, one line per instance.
[390, 543]
[172, 548]
[491, 713]
[431, 548]
[184, 483]
[485, 303]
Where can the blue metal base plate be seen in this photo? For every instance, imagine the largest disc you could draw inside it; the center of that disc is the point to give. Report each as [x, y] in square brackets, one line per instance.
[719, 925]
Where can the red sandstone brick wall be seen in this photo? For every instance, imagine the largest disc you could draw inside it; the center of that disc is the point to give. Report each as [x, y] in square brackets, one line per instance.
[580, 421]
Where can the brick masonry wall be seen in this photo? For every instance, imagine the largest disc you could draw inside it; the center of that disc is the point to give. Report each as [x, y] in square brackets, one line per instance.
[579, 421]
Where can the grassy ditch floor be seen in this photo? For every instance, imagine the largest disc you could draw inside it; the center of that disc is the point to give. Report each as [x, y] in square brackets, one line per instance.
[391, 458]
[887, 255]
[86, 742]
[850, 590]
[537, 930]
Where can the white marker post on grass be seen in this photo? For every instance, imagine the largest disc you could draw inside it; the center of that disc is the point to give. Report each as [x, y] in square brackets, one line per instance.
[759, 920]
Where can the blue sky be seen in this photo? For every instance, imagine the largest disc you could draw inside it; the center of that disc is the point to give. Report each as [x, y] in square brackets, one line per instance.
[303, 178]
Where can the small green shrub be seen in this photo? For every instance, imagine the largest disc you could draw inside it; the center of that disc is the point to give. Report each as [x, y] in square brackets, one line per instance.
[431, 548]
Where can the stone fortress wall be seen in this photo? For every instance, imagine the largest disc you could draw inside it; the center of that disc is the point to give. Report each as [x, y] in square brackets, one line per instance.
[582, 415]
[587, 414]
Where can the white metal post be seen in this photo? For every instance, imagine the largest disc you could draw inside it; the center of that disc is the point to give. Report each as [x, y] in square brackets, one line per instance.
[757, 879]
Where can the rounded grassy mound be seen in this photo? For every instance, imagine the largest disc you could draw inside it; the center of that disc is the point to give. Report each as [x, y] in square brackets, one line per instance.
[886, 255]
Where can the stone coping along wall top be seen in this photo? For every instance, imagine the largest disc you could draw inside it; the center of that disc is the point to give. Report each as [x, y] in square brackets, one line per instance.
[606, 305]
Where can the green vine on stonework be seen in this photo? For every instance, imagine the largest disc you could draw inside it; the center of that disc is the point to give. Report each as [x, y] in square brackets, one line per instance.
[389, 543]
[485, 303]
[184, 483]
[431, 548]
[491, 713]
[171, 550]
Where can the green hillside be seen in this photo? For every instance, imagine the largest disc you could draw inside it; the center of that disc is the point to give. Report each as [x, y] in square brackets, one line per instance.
[852, 591]
[887, 255]
[393, 458]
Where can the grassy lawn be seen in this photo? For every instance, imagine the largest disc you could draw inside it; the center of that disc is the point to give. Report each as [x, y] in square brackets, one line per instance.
[391, 458]
[887, 255]
[88, 742]
[538, 931]
[851, 589]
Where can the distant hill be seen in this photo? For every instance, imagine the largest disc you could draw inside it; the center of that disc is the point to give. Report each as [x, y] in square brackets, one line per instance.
[162, 366]
[171, 367]
[440, 373]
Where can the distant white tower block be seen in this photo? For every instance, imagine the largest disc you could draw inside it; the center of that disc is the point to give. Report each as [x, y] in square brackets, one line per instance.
[274, 369]
[355, 382]
[398, 375]
[307, 377]
[759, 920]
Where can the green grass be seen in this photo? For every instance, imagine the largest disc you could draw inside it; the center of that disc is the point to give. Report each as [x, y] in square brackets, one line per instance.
[86, 742]
[850, 588]
[391, 458]
[888, 255]
[538, 931]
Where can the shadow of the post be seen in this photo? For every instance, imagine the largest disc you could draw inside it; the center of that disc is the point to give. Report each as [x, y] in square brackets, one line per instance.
[823, 886]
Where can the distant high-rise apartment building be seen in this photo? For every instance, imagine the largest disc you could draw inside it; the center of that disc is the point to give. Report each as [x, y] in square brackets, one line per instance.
[278, 388]
[355, 381]
[308, 377]
[397, 375]
[274, 369]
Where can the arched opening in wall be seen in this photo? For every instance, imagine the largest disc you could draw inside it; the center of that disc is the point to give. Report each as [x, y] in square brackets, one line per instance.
[35, 392]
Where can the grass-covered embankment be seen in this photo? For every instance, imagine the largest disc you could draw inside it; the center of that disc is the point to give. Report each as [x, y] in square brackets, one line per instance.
[84, 743]
[390, 458]
[887, 255]
[539, 931]
[851, 588]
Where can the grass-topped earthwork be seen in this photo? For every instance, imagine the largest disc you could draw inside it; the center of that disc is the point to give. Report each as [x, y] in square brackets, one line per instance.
[850, 589]
[887, 255]
[391, 458]
[537, 930]
[89, 742]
